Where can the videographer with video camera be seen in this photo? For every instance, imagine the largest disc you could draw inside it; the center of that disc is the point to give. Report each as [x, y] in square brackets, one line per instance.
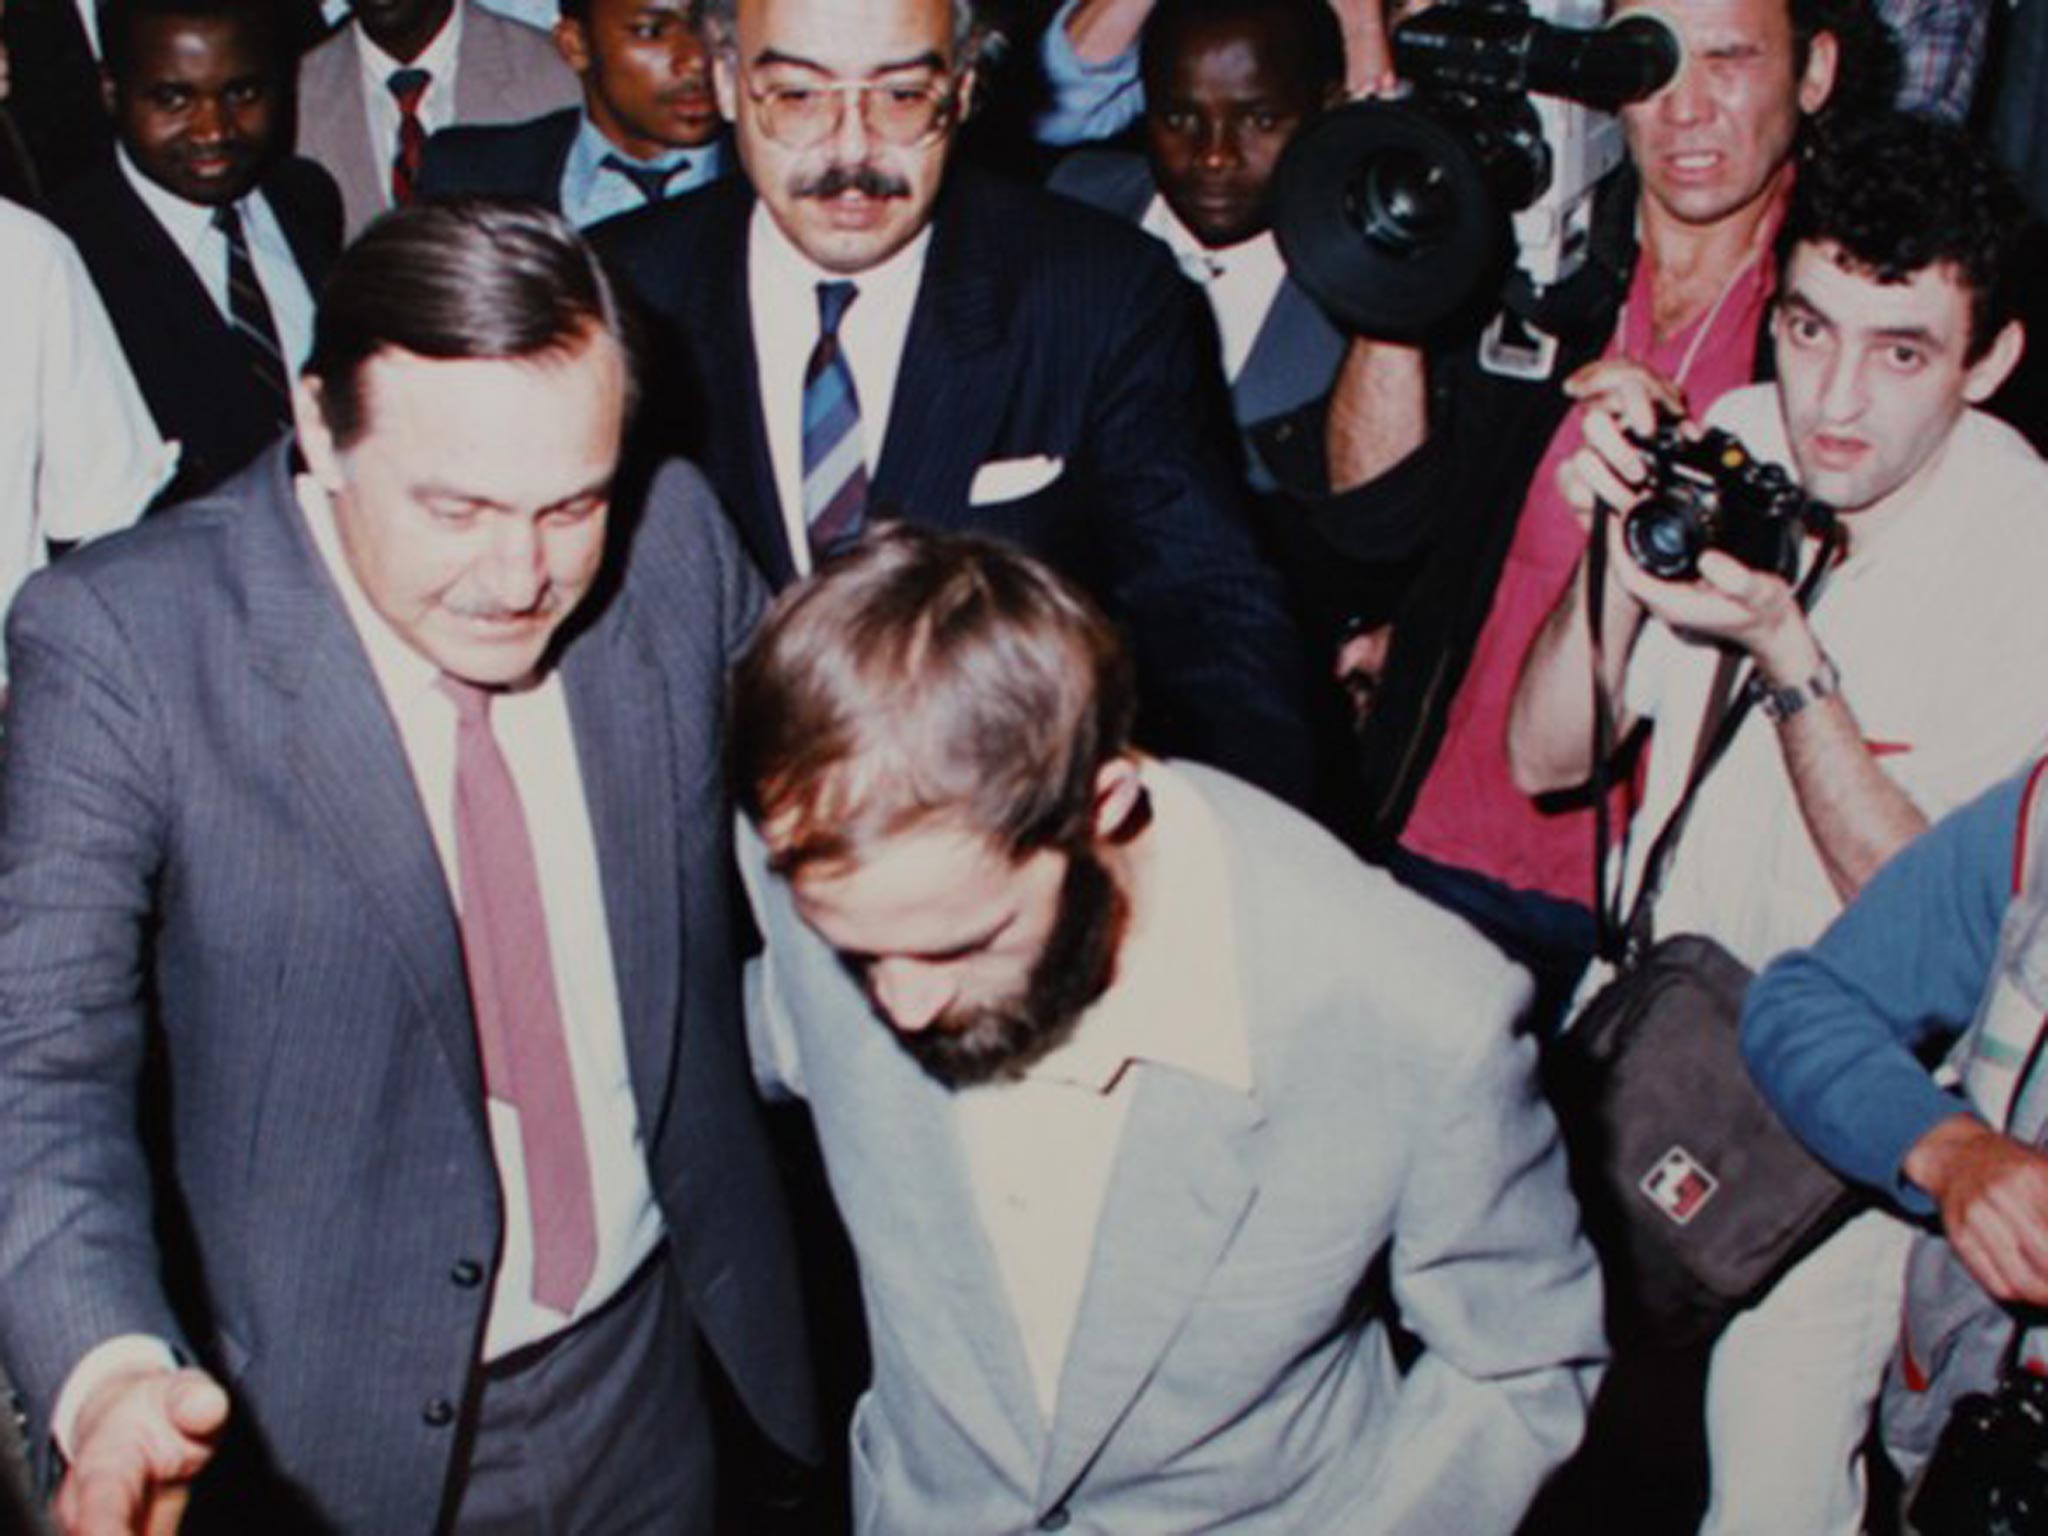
[1912, 684]
[1443, 540]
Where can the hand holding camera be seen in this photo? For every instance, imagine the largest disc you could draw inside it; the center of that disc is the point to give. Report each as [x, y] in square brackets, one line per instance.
[1706, 536]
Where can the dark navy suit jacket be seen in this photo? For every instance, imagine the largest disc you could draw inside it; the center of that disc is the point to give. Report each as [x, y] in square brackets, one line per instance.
[1042, 330]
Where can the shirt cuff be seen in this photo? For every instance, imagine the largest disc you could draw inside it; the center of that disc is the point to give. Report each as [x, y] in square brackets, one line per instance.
[123, 1352]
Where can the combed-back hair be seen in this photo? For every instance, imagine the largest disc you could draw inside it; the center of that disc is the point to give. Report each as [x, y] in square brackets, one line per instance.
[975, 35]
[1903, 193]
[118, 17]
[472, 277]
[926, 677]
[1313, 43]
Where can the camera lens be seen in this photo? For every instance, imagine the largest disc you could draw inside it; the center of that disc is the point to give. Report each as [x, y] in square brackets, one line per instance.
[1663, 540]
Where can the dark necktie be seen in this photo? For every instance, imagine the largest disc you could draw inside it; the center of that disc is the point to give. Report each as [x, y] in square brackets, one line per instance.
[408, 87]
[651, 181]
[249, 314]
[835, 471]
[519, 1029]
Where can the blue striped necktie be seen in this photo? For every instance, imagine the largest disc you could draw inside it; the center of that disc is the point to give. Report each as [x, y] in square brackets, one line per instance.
[835, 470]
[249, 314]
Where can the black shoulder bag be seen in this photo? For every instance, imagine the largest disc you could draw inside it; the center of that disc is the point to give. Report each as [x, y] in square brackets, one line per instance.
[1695, 1195]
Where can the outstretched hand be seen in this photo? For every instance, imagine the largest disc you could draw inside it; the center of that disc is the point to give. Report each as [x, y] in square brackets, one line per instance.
[139, 1441]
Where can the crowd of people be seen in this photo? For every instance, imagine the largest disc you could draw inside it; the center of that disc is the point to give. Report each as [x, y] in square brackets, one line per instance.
[715, 816]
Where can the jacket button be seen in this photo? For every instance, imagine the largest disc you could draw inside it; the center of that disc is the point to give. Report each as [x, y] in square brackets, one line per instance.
[1055, 1520]
[438, 1414]
[467, 1273]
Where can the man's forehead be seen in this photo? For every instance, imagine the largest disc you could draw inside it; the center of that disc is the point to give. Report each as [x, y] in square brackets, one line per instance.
[851, 36]
[1820, 275]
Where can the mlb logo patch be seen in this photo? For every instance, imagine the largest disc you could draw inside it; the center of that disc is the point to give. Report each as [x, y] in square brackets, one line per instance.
[1679, 1186]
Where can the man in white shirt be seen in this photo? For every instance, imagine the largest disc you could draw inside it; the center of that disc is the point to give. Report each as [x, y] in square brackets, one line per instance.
[372, 94]
[1913, 686]
[205, 240]
[79, 455]
[1138, 1094]
[1228, 85]
[401, 904]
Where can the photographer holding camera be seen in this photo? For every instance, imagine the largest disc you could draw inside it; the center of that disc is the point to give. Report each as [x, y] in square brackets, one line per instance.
[1912, 684]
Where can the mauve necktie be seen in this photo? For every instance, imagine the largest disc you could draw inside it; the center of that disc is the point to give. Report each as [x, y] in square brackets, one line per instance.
[408, 86]
[518, 1011]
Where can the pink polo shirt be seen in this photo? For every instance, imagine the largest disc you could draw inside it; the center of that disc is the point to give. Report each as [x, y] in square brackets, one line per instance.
[1469, 813]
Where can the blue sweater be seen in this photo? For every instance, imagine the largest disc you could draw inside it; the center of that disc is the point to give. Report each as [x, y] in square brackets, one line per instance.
[1831, 1032]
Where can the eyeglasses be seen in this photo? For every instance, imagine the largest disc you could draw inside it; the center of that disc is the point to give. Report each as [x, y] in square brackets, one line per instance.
[799, 116]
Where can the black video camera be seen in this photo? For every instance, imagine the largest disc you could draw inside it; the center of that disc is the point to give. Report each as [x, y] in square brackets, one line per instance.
[1989, 1472]
[1396, 214]
[1708, 493]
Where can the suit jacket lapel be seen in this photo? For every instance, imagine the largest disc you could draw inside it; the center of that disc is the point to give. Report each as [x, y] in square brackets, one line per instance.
[350, 769]
[951, 385]
[927, 1163]
[331, 102]
[483, 82]
[1292, 361]
[1180, 1187]
[721, 303]
[618, 709]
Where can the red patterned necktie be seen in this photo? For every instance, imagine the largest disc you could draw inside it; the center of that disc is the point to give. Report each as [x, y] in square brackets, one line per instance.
[408, 87]
[518, 1011]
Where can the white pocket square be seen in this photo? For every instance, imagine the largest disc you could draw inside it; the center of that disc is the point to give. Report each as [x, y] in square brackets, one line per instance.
[1008, 479]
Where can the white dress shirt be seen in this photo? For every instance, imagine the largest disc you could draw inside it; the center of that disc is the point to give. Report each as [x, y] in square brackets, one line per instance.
[191, 228]
[380, 108]
[782, 296]
[79, 454]
[1240, 281]
[1040, 1151]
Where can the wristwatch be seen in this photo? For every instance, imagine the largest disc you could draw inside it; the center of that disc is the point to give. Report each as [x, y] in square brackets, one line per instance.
[1781, 704]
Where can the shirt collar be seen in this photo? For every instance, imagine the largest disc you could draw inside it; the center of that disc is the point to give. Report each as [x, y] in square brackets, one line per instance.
[591, 146]
[1205, 263]
[774, 262]
[438, 58]
[1176, 1000]
[186, 222]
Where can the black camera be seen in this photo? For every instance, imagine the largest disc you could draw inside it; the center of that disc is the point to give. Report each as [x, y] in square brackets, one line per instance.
[1708, 493]
[1989, 1472]
[1396, 214]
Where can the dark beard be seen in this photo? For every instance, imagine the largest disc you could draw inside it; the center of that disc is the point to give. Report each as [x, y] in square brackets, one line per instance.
[1001, 1041]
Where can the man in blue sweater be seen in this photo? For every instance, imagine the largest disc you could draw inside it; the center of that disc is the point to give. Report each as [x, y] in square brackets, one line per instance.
[1948, 940]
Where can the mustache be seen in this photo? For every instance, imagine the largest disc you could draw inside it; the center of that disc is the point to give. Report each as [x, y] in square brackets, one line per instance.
[865, 179]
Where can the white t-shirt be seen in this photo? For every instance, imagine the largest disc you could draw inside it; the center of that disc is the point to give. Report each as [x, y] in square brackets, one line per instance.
[1940, 631]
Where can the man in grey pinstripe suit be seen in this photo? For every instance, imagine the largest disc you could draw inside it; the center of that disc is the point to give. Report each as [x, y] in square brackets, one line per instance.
[253, 871]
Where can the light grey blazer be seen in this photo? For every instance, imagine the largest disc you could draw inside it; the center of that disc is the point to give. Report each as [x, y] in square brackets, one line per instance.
[1230, 1366]
[506, 73]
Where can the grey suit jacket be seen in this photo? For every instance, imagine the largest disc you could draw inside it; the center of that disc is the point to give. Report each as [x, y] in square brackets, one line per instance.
[1293, 360]
[506, 72]
[214, 859]
[1219, 1376]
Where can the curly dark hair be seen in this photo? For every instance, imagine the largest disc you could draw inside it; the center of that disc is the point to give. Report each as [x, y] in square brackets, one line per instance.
[1901, 193]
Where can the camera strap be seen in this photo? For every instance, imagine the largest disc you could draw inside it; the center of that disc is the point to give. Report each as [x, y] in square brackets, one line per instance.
[1619, 940]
